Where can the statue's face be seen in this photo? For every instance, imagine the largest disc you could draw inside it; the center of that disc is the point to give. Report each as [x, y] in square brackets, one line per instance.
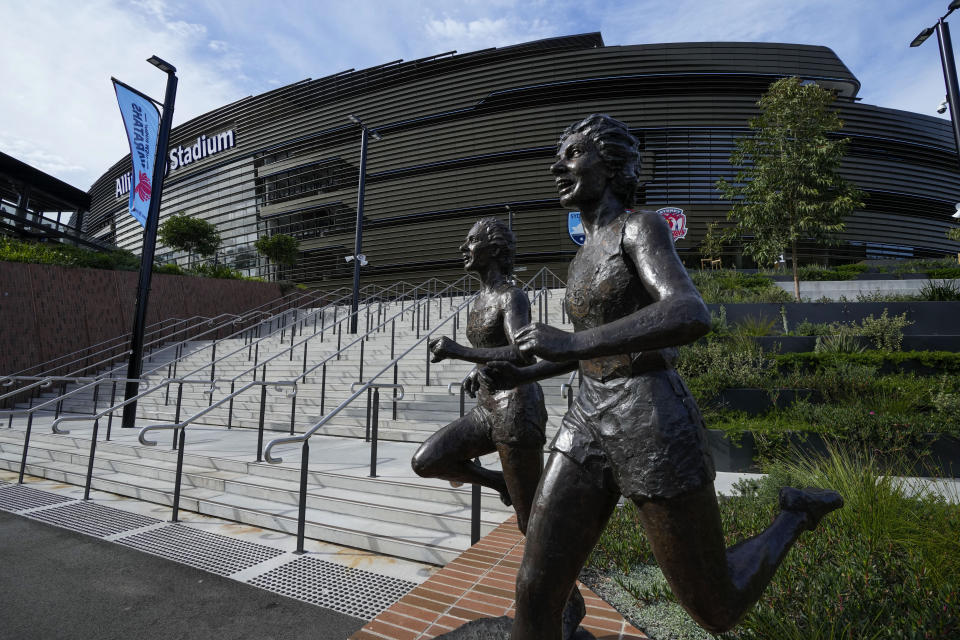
[478, 252]
[580, 173]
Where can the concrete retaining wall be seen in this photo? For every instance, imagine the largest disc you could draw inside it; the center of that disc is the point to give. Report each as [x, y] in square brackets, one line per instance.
[47, 311]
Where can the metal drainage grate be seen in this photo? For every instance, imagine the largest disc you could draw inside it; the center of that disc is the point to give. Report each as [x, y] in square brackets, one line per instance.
[16, 497]
[355, 592]
[93, 519]
[208, 551]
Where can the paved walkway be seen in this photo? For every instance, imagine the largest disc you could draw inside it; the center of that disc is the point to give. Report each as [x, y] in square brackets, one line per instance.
[114, 567]
[58, 584]
[480, 583]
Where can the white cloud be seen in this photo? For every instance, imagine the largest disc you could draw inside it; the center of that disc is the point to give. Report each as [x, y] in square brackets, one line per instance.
[59, 112]
[486, 32]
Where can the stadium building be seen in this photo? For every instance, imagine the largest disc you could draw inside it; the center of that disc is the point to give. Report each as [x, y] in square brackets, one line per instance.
[468, 135]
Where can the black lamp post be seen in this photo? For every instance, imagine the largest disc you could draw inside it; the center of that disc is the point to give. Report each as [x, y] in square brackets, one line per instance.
[949, 67]
[135, 366]
[366, 133]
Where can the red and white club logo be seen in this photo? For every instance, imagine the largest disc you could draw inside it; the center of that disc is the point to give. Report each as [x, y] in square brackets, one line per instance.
[677, 220]
[143, 187]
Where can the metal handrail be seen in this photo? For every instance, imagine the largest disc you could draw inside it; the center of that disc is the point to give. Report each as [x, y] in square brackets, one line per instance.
[248, 346]
[233, 335]
[31, 411]
[305, 437]
[309, 432]
[293, 382]
[360, 337]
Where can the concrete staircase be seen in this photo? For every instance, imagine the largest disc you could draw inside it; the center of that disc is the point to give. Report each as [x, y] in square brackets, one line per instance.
[396, 513]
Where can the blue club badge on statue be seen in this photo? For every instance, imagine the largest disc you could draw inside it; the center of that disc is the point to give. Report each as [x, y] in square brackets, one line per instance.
[575, 227]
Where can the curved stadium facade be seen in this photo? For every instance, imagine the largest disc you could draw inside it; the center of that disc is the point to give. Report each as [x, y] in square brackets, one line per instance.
[471, 135]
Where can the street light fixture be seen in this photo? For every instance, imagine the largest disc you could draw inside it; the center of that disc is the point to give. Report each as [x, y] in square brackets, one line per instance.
[365, 134]
[949, 67]
[162, 64]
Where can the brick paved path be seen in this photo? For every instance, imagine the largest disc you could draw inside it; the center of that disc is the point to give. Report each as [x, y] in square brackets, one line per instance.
[479, 583]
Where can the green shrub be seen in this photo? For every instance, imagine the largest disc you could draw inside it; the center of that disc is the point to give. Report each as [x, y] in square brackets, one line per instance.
[885, 331]
[216, 271]
[838, 343]
[947, 361]
[718, 322]
[755, 327]
[724, 286]
[841, 272]
[65, 255]
[944, 272]
[881, 296]
[171, 269]
[940, 291]
[887, 565]
[712, 365]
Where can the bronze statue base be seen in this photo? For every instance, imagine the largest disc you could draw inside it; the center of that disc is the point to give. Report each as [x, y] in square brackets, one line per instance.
[496, 629]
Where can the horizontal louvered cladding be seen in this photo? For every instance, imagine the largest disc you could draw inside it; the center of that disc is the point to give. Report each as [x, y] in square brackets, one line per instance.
[463, 136]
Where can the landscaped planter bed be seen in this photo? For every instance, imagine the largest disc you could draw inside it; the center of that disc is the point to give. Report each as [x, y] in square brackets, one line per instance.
[740, 452]
[929, 318]
[756, 402]
[801, 344]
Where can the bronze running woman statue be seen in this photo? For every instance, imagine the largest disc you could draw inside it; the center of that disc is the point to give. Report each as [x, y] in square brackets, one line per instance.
[511, 421]
[634, 428]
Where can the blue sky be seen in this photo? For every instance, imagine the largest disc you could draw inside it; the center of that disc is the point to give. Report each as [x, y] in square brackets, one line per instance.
[58, 112]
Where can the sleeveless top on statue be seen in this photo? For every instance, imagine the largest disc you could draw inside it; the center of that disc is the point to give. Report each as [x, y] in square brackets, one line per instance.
[603, 286]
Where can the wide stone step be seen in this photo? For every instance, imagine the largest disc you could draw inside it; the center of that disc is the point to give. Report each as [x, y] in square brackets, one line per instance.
[386, 517]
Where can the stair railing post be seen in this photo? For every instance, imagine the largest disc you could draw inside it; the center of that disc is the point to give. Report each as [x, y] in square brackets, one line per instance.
[93, 452]
[366, 436]
[302, 510]
[293, 412]
[360, 375]
[393, 333]
[26, 445]
[263, 409]
[176, 417]
[376, 421]
[213, 365]
[179, 478]
[323, 389]
[233, 386]
[113, 396]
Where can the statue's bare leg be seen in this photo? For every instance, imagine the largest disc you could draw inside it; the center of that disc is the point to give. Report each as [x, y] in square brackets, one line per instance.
[521, 471]
[714, 584]
[448, 454]
[570, 512]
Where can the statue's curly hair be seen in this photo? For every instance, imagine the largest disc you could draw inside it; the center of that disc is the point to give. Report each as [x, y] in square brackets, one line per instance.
[618, 148]
[500, 235]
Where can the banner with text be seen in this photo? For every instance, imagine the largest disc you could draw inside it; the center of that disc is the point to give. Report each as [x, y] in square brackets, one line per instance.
[141, 119]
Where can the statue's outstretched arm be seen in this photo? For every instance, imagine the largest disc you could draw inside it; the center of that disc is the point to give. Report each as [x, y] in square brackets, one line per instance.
[516, 314]
[677, 315]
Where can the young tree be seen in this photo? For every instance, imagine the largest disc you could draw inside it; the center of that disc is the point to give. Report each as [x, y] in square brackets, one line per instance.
[189, 234]
[788, 187]
[712, 245]
[280, 248]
